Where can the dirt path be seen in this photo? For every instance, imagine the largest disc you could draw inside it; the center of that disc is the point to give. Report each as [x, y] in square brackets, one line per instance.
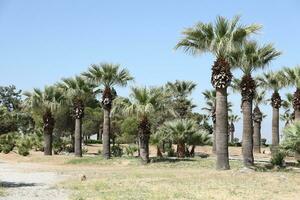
[24, 181]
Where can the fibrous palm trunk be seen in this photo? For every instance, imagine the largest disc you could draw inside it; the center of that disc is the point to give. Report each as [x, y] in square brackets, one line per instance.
[296, 104]
[220, 79]
[276, 104]
[222, 130]
[107, 99]
[106, 134]
[231, 132]
[275, 127]
[180, 149]
[257, 118]
[214, 148]
[78, 138]
[48, 132]
[144, 135]
[247, 146]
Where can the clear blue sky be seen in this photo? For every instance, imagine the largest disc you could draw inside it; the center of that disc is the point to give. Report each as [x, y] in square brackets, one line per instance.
[43, 41]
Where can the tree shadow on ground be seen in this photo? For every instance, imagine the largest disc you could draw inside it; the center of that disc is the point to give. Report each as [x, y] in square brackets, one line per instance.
[6, 184]
[171, 159]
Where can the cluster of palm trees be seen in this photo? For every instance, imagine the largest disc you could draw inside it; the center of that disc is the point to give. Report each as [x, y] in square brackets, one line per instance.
[234, 48]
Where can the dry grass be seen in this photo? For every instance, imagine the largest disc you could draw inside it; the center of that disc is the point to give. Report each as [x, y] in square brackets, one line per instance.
[126, 178]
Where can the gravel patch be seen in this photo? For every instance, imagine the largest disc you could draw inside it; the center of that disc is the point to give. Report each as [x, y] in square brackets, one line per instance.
[22, 181]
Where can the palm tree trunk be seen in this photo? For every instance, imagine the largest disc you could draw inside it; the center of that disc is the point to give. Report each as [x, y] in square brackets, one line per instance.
[275, 128]
[214, 149]
[158, 154]
[192, 153]
[247, 144]
[48, 142]
[256, 136]
[180, 149]
[222, 129]
[144, 135]
[78, 138]
[144, 148]
[106, 134]
[296, 104]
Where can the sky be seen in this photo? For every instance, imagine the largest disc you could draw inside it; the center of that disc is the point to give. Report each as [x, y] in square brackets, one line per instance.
[44, 41]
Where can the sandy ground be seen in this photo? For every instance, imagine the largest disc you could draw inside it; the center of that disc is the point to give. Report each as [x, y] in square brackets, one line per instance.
[23, 181]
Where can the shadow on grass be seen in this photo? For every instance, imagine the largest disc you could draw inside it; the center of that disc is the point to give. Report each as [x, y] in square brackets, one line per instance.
[5, 184]
[171, 160]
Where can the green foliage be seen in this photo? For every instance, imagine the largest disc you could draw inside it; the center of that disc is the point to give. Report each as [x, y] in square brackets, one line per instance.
[92, 118]
[130, 150]
[129, 130]
[10, 97]
[8, 142]
[37, 140]
[117, 150]
[291, 139]
[8, 121]
[278, 158]
[61, 144]
[24, 145]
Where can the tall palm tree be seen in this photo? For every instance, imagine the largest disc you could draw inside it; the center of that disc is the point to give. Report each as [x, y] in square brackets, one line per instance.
[259, 99]
[249, 58]
[143, 103]
[79, 91]
[220, 39]
[293, 79]
[107, 76]
[273, 81]
[45, 103]
[179, 92]
[232, 119]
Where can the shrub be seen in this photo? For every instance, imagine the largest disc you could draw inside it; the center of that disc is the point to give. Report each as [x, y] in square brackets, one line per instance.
[130, 150]
[90, 141]
[24, 145]
[263, 142]
[61, 144]
[291, 140]
[278, 158]
[117, 150]
[8, 142]
[171, 152]
[37, 140]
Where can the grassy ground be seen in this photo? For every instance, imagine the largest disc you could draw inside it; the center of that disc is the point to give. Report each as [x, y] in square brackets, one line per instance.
[2, 192]
[126, 178]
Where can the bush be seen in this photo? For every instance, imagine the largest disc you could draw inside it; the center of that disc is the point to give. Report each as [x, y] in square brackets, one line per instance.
[117, 150]
[37, 140]
[171, 152]
[8, 142]
[24, 145]
[61, 144]
[278, 158]
[130, 150]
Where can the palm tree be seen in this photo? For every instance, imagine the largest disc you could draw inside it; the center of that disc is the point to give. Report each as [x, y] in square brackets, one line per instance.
[183, 131]
[293, 79]
[259, 98]
[179, 92]
[220, 39]
[273, 81]
[78, 91]
[232, 119]
[45, 103]
[143, 103]
[107, 76]
[250, 58]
